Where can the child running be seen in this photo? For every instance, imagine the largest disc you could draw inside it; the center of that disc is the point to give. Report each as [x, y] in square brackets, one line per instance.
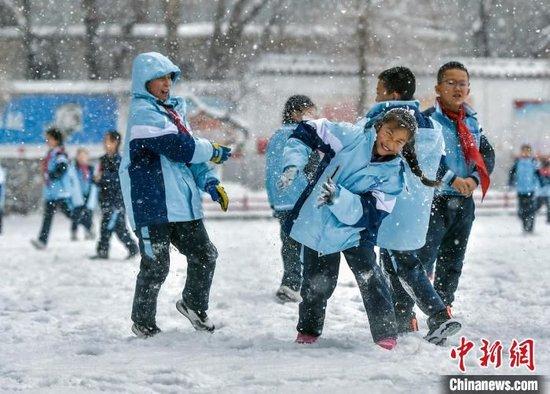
[281, 201]
[162, 172]
[341, 210]
[404, 231]
[61, 190]
[113, 216]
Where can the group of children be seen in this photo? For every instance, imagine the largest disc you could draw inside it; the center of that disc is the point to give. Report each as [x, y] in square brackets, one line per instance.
[531, 180]
[400, 179]
[75, 187]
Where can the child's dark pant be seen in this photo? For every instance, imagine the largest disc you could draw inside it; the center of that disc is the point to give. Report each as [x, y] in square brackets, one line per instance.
[50, 207]
[409, 283]
[191, 240]
[114, 221]
[527, 208]
[290, 252]
[448, 232]
[319, 282]
[542, 201]
[83, 216]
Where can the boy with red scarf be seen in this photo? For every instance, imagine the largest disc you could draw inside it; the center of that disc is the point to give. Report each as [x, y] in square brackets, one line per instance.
[469, 160]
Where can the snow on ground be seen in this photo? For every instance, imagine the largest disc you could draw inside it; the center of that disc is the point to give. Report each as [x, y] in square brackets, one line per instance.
[65, 327]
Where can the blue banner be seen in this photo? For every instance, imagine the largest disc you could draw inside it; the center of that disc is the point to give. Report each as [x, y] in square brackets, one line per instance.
[83, 118]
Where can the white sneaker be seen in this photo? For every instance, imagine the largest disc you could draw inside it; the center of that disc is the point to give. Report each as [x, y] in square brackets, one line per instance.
[38, 244]
[199, 319]
[286, 294]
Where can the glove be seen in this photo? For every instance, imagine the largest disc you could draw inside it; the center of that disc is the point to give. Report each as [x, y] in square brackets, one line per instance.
[218, 194]
[220, 153]
[287, 177]
[329, 194]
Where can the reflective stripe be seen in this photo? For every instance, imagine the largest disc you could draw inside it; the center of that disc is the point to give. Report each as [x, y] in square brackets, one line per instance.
[112, 220]
[144, 131]
[147, 247]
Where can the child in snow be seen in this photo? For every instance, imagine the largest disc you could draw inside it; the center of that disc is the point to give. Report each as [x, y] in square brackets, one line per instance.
[524, 175]
[113, 216]
[282, 201]
[354, 188]
[61, 189]
[469, 160]
[544, 194]
[404, 231]
[83, 214]
[2, 195]
[162, 172]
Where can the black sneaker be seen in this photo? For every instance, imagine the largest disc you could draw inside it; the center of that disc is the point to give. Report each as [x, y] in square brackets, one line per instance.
[441, 326]
[145, 331]
[199, 319]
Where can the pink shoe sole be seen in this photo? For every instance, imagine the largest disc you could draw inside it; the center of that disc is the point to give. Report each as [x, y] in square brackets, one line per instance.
[387, 343]
[305, 339]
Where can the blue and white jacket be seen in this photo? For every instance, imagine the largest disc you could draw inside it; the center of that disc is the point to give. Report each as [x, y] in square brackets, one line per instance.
[2, 189]
[162, 171]
[525, 176]
[407, 226]
[455, 164]
[60, 179]
[281, 199]
[87, 186]
[367, 189]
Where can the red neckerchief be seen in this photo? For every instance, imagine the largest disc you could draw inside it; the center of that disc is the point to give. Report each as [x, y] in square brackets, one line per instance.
[468, 145]
[175, 118]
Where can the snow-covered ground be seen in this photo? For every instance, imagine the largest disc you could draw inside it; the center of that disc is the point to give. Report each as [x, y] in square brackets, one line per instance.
[65, 326]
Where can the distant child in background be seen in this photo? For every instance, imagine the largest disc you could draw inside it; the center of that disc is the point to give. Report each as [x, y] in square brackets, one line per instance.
[2, 195]
[341, 209]
[83, 214]
[282, 201]
[469, 161]
[113, 217]
[544, 194]
[61, 190]
[525, 177]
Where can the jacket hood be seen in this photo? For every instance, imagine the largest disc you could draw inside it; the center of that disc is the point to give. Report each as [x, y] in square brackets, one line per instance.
[149, 66]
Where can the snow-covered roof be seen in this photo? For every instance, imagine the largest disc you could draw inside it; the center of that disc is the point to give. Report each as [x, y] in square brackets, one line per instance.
[479, 67]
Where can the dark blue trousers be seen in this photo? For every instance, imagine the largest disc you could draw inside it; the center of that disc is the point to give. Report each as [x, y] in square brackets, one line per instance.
[290, 253]
[191, 240]
[527, 208]
[50, 208]
[319, 282]
[113, 220]
[448, 232]
[410, 284]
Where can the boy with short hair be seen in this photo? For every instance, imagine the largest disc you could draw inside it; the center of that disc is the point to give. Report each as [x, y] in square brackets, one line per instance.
[84, 214]
[469, 160]
[162, 172]
[524, 175]
[113, 216]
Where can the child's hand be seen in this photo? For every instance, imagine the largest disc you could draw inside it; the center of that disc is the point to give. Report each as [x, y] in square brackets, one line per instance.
[287, 177]
[329, 194]
[462, 186]
[218, 194]
[220, 153]
[472, 184]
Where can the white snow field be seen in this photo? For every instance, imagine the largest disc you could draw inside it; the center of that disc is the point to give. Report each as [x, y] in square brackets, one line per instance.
[65, 325]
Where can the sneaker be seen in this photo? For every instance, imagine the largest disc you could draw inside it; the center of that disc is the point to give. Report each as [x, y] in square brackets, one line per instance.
[387, 343]
[405, 326]
[145, 331]
[441, 326]
[306, 339]
[38, 244]
[99, 257]
[286, 294]
[199, 319]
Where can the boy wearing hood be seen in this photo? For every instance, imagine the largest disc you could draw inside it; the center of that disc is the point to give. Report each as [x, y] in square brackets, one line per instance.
[164, 167]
